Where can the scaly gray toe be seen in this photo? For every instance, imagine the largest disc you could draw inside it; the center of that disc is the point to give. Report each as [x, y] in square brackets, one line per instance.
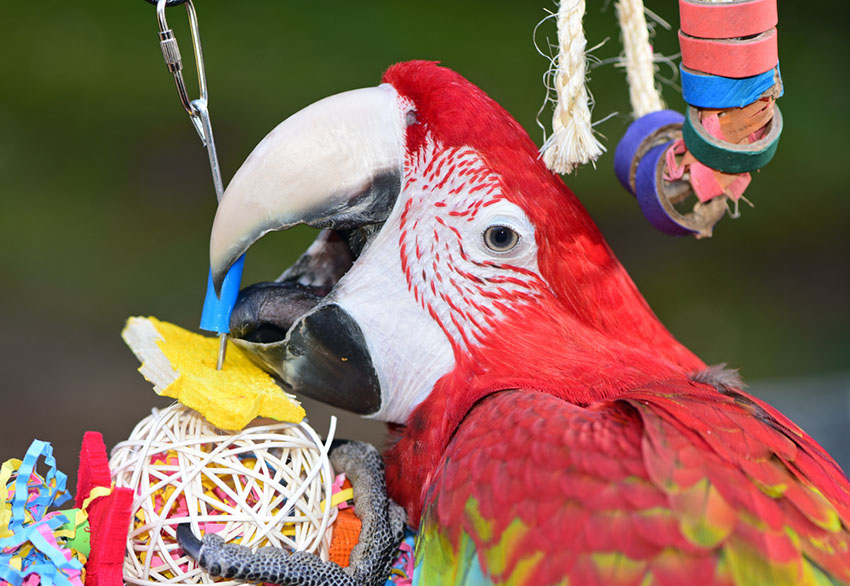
[382, 520]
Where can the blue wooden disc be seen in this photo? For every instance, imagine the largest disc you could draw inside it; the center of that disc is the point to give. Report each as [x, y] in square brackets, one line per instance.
[718, 93]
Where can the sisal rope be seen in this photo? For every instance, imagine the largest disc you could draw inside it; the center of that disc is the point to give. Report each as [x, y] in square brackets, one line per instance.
[572, 142]
[640, 68]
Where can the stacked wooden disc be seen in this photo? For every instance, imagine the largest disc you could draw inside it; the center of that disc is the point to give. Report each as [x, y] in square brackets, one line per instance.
[685, 170]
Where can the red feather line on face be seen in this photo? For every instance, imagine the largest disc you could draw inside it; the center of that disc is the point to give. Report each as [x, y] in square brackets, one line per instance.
[468, 304]
[582, 273]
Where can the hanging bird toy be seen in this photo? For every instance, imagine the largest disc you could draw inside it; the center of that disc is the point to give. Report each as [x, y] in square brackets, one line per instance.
[669, 161]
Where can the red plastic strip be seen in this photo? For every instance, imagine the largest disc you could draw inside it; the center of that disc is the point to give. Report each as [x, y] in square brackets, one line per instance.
[727, 20]
[730, 57]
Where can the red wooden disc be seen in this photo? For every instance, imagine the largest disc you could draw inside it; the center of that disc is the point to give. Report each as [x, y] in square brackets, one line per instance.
[727, 20]
[730, 57]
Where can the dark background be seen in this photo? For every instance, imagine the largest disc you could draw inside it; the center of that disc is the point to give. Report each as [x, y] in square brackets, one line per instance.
[107, 199]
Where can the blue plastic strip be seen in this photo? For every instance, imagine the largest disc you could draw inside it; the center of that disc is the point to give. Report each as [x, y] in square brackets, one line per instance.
[215, 316]
[712, 91]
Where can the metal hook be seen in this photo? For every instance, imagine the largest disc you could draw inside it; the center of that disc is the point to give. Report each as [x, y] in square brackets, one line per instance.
[171, 54]
[200, 116]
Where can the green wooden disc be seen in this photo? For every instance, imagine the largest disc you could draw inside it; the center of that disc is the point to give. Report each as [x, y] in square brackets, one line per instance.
[727, 157]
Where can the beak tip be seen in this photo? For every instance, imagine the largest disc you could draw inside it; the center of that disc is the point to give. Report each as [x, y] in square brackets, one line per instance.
[222, 264]
[217, 282]
[225, 276]
[216, 279]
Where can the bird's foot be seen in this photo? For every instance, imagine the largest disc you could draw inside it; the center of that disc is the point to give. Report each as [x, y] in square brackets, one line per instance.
[382, 529]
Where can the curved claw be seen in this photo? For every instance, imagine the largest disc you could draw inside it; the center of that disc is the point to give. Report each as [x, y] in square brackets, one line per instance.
[382, 520]
[190, 544]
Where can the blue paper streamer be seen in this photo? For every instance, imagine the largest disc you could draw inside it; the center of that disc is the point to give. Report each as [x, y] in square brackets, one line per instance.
[43, 558]
[215, 316]
[54, 483]
[21, 535]
[48, 576]
[712, 91]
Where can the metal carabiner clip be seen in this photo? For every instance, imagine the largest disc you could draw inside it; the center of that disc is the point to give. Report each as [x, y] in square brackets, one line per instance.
[216, 313]
[197, 109]
[171, 54]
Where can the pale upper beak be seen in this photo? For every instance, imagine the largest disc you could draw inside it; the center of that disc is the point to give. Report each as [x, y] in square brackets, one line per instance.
[337, 163]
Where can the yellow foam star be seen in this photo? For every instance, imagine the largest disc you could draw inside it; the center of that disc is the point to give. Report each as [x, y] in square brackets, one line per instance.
[182, 365]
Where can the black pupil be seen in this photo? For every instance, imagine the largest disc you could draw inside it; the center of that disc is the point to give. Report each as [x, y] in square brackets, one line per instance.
[500, 237]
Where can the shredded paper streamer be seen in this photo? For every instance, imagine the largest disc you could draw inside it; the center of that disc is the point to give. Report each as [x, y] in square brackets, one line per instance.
[403, 566]
[38, 546]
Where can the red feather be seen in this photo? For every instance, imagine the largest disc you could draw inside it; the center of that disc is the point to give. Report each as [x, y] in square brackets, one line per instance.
[602, 480]
[618, 464]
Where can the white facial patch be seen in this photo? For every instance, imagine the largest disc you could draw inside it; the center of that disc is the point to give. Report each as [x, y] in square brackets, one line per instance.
[428, 286]
[408, 348]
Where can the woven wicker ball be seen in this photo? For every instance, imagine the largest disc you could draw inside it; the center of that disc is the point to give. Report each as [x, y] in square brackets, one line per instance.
[261, 486]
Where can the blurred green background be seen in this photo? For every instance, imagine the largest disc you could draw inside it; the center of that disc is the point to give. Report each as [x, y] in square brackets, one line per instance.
[107, 198]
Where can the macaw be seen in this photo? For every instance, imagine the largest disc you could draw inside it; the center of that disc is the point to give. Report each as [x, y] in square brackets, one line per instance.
[546, 427]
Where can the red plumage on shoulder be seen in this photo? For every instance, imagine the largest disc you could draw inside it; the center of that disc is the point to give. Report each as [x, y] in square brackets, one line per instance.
[675, 480]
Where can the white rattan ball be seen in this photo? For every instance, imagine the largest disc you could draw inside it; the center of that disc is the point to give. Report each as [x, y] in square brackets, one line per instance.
[261, 486]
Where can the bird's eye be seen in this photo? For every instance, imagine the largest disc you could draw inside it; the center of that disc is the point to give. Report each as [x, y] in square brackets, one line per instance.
[500, 238]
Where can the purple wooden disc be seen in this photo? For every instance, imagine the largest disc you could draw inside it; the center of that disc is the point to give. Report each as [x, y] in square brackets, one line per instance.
[650, 192]
[642, 134]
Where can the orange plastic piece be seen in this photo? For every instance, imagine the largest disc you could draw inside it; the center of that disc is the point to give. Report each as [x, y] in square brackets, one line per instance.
[346, 534]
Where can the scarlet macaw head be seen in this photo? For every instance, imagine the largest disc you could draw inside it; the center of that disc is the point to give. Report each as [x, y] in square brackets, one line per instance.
[447, 250]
